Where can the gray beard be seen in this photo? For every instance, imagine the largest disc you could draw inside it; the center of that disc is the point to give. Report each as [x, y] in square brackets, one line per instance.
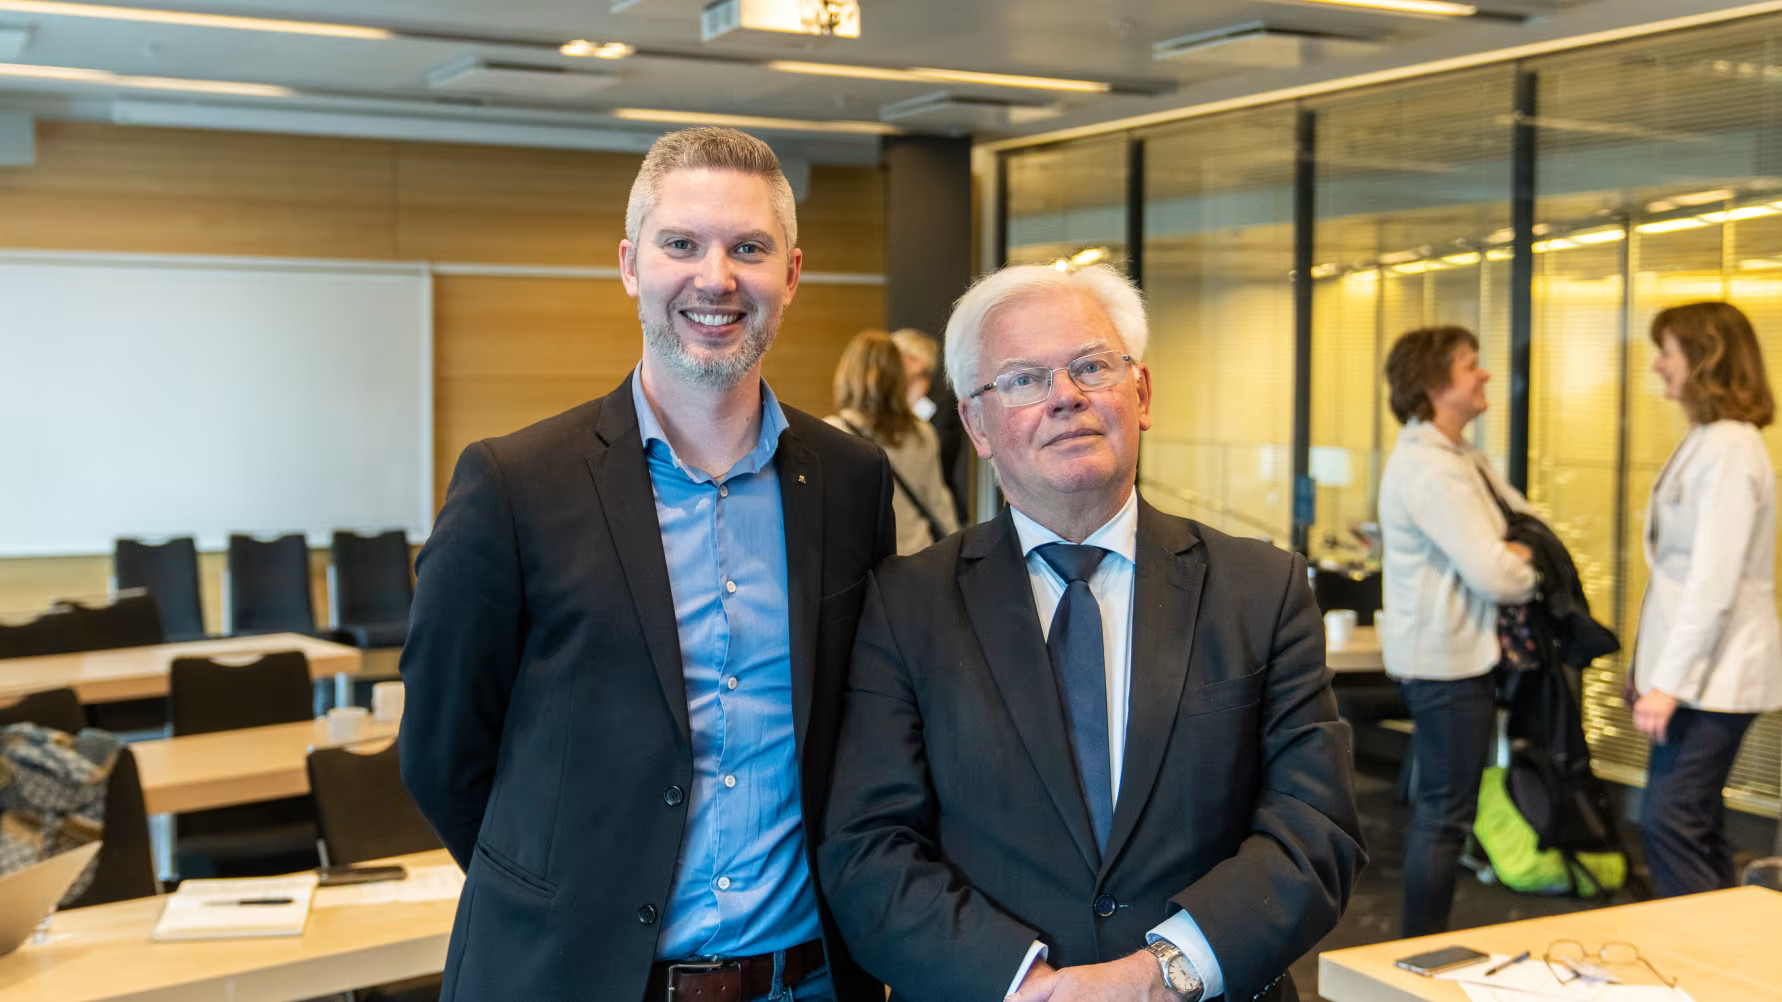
[711, 373]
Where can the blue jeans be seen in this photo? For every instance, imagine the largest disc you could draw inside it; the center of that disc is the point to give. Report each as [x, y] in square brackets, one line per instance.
[1683, 815]
[816, 987]
[1452, 743]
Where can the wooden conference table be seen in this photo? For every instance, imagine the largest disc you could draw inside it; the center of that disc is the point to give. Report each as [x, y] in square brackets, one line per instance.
[141, 672]
[1719, 946]
[104, 953]
[1359, 653]
[224, 768]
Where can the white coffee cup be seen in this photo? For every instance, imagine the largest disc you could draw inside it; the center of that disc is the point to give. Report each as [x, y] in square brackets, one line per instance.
[346, 723]
[1339, 625]
[387, 699]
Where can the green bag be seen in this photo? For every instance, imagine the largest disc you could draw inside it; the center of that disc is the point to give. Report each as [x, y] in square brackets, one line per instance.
[1512, 846]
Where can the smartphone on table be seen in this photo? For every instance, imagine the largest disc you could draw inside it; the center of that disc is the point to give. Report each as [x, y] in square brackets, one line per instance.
[1445, 959]
[335, 876]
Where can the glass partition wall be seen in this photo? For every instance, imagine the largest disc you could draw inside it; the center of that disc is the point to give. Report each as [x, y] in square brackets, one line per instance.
[1657, 179]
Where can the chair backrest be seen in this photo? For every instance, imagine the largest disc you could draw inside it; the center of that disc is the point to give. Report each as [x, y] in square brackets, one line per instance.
[169, 571]
[126, 863]
[371, 578]
[57, 708]
[127, 620]
[206, 695]
[269, 585]
[362, 809]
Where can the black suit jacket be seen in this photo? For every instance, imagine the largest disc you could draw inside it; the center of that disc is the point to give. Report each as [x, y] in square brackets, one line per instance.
[957, 833]
[546, 733]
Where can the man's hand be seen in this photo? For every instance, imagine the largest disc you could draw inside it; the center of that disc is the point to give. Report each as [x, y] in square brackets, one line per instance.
[1652, 714]
[1134, 977]
[1037, 985]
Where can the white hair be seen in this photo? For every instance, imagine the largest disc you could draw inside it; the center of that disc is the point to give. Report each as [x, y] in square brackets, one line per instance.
[1122, 301]
[709, 148]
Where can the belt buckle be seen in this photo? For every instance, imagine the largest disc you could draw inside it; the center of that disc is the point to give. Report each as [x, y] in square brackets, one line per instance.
[703, 969]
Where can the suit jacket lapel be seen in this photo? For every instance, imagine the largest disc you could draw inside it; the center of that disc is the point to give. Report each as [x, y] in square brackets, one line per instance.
[1165, 603]
[999, 600]
[801, 502]
[621, 477]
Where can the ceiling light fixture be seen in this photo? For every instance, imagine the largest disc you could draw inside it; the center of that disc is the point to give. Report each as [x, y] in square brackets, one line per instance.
[925, 74]
[1438, 7]
[107, 78]
[751, 121]
[193, 20]
[597, 50]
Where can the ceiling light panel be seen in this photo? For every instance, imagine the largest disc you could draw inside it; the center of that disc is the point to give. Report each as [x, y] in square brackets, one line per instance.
[670, 117]
[1440, 8]
[193, 20]
[922, 74]
[71, 74]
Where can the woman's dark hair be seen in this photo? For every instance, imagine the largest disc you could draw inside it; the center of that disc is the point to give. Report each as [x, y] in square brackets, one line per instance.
[1726, 378]
[1421, 361]
[869, 380]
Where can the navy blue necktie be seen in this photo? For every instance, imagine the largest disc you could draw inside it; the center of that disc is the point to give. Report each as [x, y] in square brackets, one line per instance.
[1076, 649]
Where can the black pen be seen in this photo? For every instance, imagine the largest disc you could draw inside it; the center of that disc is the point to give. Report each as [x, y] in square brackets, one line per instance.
[1517, 959]
[253, 901]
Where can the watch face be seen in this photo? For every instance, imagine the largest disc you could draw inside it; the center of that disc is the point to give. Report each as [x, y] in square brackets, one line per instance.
[1181, 976]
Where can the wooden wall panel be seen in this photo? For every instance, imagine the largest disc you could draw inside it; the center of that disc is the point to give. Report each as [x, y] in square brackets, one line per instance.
[176, 191]
[841, 224]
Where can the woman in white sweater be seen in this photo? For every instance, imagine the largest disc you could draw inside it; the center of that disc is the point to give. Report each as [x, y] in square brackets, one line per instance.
[1447, 568]
[1708, 658]
[871, 400]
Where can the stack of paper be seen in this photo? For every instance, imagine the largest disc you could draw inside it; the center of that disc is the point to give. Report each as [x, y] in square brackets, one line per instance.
[221, 909]
[1533, 981]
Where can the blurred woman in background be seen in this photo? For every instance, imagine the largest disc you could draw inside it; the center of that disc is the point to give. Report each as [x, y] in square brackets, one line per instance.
[1447, 568]
[1709, 654]
[871, 400]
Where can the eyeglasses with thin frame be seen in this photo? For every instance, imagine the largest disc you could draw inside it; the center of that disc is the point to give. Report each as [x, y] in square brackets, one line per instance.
[1032, 384]
[1608, 953]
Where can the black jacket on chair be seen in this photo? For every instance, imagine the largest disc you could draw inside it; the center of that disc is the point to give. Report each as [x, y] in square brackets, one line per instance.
[546, 733]
[957, 832]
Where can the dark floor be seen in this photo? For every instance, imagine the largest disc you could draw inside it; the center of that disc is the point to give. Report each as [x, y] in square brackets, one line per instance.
[1373, 913]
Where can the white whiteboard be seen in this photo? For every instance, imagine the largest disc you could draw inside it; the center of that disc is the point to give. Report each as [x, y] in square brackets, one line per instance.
[158, 395]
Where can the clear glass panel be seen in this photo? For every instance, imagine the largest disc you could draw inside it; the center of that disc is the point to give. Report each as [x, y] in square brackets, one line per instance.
[1068, 203]
[1218, 262]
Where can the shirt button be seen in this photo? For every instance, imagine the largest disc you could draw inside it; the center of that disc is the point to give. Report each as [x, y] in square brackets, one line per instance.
[730, 782]
[730, 586]
[673, 796]
[730, 682]
[723, 883]
[647, 914]
[723, 491]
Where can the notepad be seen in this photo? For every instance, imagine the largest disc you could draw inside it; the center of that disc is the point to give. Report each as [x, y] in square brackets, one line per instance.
[227, 909]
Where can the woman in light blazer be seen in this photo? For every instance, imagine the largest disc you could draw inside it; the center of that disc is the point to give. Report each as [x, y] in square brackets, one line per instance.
[1447, 567]
[1709, 654]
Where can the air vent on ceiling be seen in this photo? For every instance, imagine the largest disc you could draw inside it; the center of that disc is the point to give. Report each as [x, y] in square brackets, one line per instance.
[13, 40]
[947, 111]
[1259, 44]
[518, 80]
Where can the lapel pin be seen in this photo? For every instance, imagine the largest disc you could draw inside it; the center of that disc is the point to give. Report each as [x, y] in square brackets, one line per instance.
[801, 478]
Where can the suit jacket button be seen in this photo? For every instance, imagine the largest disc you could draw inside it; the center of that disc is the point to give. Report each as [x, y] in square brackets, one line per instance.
[647, 914]
[673, 796]
[1105, 905]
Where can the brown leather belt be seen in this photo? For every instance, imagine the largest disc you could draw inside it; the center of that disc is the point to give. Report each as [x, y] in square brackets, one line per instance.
[731, 979]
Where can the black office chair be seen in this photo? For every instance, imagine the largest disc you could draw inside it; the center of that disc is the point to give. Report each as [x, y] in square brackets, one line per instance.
[1345, 590]
[275, 836]
[269, 586]
[169, 572]
[362, 809]
[52, 631]
[372, 588]
[57, 708]
[126, 863]
[130, 618]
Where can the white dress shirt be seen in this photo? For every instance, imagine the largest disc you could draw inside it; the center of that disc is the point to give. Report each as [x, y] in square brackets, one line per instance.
[1112, 585]
[1708, 630]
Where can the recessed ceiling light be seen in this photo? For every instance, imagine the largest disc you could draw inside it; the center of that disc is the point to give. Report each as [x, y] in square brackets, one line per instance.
[750, 121]
[1439, 7]
[925, 74]
[193, 20]
[597, 50]
[110, 79]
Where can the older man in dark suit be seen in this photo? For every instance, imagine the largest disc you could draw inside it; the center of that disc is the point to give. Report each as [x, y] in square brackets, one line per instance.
[1088, 750]
[629, 641]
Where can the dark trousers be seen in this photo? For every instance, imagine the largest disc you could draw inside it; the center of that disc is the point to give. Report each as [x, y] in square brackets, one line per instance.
[1456, 721]
[1683, 815]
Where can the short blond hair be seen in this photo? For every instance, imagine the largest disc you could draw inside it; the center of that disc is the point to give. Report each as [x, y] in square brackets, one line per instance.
[919, 346]
[709, 149]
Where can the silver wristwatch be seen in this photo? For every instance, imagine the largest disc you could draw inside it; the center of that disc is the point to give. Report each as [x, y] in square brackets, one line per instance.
[1179, 976]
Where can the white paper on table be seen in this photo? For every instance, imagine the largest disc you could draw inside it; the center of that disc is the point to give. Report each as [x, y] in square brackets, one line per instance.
[206, 909]
[424, 883]
[1531, 980]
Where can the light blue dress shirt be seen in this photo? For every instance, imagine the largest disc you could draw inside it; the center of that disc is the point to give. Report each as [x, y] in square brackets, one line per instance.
[1112, 584]
[741, 884]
